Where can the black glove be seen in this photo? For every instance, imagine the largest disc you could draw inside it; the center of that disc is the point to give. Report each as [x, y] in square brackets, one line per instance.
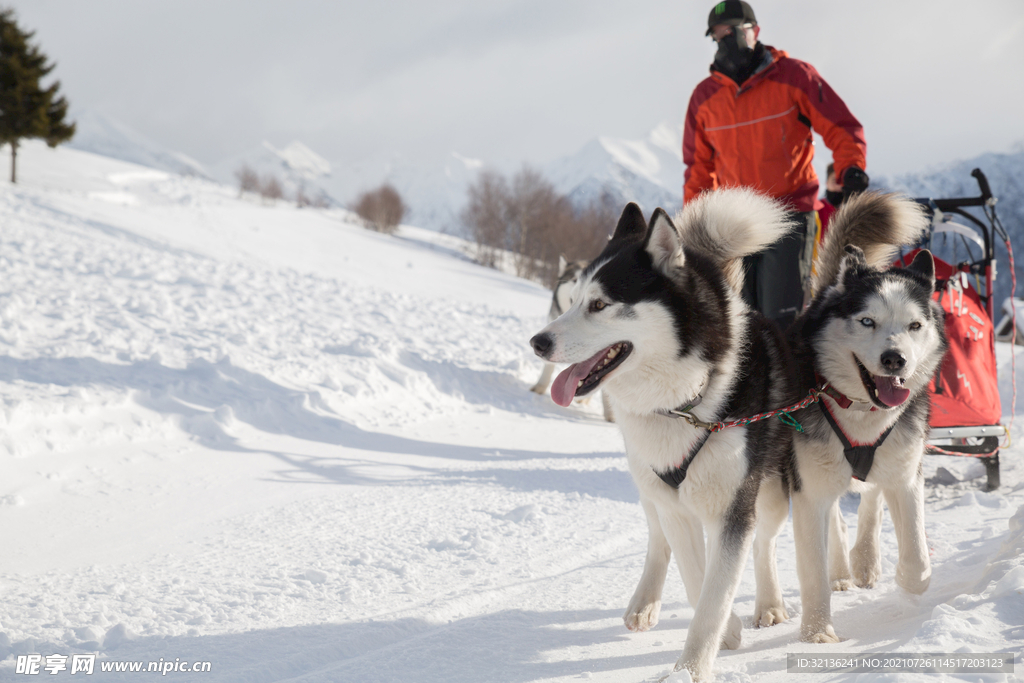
[854, 182]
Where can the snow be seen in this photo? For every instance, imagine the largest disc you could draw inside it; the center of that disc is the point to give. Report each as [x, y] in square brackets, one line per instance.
[267, 438]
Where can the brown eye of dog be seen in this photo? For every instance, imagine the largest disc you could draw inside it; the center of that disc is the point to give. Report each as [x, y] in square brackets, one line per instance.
[914, 327]
[597, 305]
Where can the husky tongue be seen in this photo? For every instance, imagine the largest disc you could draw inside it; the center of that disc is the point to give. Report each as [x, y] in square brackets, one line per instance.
[890, 390]
[564, 387]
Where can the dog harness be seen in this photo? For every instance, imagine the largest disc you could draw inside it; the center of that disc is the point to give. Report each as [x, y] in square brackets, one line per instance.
[675, 476]
[860, 456]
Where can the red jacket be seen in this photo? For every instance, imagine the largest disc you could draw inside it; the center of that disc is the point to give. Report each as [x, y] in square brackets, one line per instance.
[759, 135]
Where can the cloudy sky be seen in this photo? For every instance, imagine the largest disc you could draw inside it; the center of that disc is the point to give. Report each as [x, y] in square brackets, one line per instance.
[513, 81]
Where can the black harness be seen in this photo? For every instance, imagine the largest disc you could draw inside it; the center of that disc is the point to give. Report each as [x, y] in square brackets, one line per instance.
[675, 476]
[861, 456]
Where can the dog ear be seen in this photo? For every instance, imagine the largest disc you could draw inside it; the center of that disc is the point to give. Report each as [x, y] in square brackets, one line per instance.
[852, 261]
[562, 263]
[924, 265]
[631, 224]
[664, 243]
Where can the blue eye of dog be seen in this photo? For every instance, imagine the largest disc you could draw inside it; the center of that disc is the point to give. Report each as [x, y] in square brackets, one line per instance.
[597, 305]
[867, 322]
[915, 326]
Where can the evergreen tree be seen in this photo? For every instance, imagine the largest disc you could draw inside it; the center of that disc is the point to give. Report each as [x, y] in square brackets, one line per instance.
[27, 110]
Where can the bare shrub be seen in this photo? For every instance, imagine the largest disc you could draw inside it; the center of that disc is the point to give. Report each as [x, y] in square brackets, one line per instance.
[532, 222]
[271, 189]
[248, 181]
[382, 209]
[485, 215]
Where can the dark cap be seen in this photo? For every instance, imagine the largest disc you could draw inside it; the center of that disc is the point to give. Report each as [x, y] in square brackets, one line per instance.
[731, 13]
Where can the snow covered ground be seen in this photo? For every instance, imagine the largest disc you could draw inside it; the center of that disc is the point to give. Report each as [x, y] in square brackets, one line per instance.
[269, 439]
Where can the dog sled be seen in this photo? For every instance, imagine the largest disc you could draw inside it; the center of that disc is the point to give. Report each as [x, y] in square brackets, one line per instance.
[966, 407]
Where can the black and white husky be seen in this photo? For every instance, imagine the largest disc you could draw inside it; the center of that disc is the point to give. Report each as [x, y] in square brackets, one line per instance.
[875, 335]
[561, 300]
[658, 323]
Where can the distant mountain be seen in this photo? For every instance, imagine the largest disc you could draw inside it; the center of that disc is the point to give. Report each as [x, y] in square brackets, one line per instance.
[103, 135]
[648, 172]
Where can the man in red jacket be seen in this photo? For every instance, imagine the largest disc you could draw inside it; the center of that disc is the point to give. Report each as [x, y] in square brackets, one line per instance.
[750, 124]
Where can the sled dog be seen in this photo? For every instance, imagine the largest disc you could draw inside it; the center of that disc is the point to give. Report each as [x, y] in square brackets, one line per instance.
[561, 299]
[875, 336]
[658, 323]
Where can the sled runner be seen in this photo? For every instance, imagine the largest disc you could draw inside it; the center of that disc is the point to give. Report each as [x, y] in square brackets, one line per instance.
[966, 408]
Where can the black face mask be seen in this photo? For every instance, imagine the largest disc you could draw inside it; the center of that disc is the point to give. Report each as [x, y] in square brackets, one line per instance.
[834, 198]
[733, 55]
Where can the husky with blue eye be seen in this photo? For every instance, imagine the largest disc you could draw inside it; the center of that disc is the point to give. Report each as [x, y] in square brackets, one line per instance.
[658, 323]
[875, 337]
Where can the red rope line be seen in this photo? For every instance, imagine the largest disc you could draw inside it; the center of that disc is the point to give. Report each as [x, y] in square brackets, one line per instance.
[812, 397]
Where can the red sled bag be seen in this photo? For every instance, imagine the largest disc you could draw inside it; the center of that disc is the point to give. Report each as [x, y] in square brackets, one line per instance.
[965, 393]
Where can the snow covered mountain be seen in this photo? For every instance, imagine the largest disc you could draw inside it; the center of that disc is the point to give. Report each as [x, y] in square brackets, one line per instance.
[648, 172]
[108, 137]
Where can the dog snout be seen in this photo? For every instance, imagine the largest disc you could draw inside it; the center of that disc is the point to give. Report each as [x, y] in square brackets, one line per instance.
[893, 361]
[542, 344]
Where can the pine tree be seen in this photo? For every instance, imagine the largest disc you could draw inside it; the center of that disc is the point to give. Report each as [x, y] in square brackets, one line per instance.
[27, 110]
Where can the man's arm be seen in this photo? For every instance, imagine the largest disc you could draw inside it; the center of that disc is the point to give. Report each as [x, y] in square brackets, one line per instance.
[831, 118]
[698, 154]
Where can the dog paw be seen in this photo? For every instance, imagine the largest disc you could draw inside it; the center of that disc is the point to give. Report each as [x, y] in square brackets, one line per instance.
[642, 617]
[682, 668]
[867, 576]
[866, 566]
[769, 616]
[913, 580]
[733, 633]
[842, 584]
[539, 389]
[819, 635]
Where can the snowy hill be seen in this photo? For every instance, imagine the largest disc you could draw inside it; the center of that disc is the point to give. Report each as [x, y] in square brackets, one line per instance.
[103, 135]
[271, 440]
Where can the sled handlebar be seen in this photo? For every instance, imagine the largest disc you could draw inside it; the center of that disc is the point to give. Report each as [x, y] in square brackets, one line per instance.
[947, 204]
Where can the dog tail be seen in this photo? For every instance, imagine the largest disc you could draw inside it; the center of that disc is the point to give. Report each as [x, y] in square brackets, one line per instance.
[876, 222]
[728, 224]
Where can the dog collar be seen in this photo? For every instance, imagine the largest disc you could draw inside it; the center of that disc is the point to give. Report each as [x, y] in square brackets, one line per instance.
[684, 409]
[841, 399]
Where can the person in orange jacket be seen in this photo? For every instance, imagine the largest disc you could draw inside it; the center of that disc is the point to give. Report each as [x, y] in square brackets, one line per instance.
[751, 124]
